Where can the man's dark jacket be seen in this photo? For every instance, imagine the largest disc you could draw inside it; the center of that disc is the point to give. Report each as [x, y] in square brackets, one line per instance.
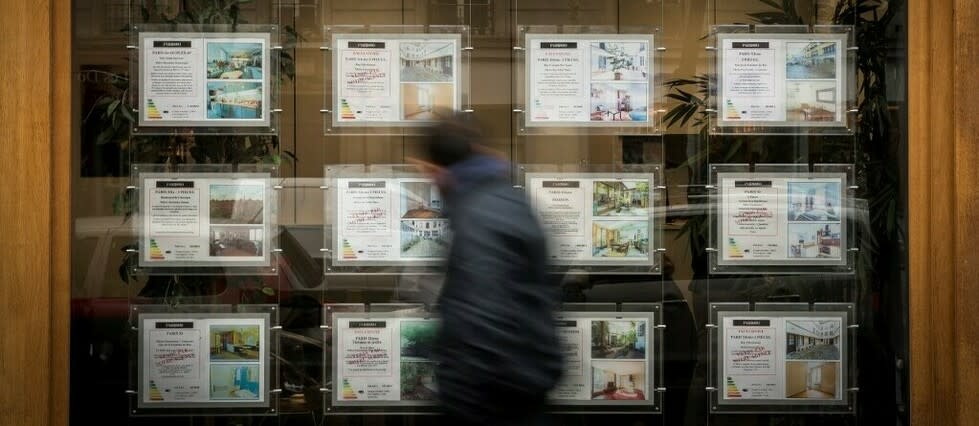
[497, 349]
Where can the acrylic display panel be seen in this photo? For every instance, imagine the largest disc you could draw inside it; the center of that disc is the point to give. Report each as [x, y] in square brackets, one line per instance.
[783, 79]
[205, 79]
[204, 360]
[395, 79]
[588, 79]
[782, 219]
[383, 219]
[379, 359]
[612, 361]
[599, 219]
[205, 221]
[782, 357]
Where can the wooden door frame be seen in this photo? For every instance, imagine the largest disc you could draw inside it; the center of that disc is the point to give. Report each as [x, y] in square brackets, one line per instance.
[35, 168]
[943, 170]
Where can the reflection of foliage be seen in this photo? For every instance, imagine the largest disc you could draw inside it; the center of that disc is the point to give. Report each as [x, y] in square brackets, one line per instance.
[417, 338]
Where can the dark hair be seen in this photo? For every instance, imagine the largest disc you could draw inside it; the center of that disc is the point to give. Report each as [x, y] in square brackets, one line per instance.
[451, 140]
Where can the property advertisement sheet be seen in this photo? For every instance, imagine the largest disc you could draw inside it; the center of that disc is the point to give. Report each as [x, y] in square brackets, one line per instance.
[395, 79]
[384, 360]
[781, 219]
[589, 80]
[196, 360]
[205, 219]
[392, 220]
[615, 366]
[204, 79]
[778, 80]
[771, 357]
[594, 219]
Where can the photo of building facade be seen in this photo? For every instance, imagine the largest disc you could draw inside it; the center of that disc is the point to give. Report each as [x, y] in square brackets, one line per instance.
[813, 339]
[424, 228]
[811, 60]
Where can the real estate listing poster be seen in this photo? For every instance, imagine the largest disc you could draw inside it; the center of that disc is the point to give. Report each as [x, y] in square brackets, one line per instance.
[782, 79]
[391, 221]
[589, 79]
[195, 360]
[608, 359]
[781, 219]
[383, 359]
[205, 219]
[596, 219]
[773, 357]
[204, 79]
[395, 79]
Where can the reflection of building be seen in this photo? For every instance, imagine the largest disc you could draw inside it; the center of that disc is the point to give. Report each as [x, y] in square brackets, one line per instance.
[802, 335]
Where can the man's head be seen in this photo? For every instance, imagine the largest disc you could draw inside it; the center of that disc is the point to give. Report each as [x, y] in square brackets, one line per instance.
[449, 142]
[452, 140]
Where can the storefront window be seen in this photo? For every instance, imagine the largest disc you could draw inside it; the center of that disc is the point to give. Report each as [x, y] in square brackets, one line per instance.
[723, 184]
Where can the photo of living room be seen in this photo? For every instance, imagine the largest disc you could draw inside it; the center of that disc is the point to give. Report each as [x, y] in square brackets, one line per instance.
[424, 227]
[618, 339]
[621, 198]
[234, 61]
[813, 340]
[810, 101]
[620, 238]
[427, 61]
[814, 240]
[235, 342]
[618, 380]
[236, 241]
[814, 201]
[811, 380]
[619, 102]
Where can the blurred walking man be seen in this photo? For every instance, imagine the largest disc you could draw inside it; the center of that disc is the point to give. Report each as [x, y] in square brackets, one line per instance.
[497, 348]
